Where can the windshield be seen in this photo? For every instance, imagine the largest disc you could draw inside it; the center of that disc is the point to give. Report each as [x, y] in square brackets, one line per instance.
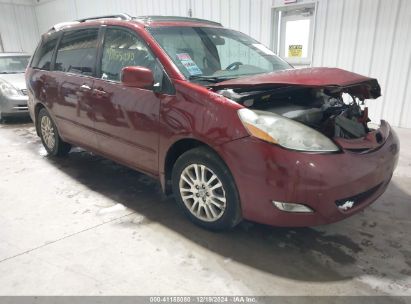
[216, 53]
[13, 64]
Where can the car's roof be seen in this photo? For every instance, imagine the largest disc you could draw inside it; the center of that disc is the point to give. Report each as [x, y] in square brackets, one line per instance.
[144, 21]
[8, 54]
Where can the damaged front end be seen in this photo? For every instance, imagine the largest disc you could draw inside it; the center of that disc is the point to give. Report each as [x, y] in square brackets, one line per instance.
[329, 101]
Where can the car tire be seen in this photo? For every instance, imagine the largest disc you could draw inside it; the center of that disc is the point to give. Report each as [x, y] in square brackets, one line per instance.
[49, 135]
[196, 178]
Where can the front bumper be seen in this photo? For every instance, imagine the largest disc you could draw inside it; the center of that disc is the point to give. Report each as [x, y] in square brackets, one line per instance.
[265, 172]
[13, 106]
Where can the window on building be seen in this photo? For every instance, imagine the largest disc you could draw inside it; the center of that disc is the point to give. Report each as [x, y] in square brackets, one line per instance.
[294, 34]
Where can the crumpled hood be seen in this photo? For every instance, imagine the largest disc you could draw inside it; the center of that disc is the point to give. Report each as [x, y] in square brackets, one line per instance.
[355, 84]
[16, 80]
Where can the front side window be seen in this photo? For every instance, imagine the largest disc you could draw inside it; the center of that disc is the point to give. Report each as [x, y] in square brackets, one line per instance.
[216, 52]
[13, 64]
[121, 49]
[43, 56]
[77, 52]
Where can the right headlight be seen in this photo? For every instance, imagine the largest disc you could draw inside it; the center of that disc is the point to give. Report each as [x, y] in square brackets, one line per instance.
[285, 132]
[8, 90]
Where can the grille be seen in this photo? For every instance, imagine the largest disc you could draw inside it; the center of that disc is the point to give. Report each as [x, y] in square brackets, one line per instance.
[379, 138]
[359, 150]
[358, 198]
[21, 107]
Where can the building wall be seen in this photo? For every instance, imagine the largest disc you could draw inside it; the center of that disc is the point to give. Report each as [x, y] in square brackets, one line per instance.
[370, 37]
[18, 26]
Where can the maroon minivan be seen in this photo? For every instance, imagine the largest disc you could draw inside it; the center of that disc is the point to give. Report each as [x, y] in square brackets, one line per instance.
[232, 130]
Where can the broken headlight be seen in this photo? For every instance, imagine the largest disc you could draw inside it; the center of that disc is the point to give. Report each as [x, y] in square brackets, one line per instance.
[285, 132]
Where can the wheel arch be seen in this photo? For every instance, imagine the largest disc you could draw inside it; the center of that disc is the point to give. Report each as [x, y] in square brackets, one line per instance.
[37, 109]
[175, 150]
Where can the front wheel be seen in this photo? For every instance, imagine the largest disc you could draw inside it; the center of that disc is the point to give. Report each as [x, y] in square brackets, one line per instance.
[49, 135]
[205, 190]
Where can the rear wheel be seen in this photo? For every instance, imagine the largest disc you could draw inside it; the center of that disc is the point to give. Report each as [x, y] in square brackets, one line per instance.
[205, 190]
[49, 135]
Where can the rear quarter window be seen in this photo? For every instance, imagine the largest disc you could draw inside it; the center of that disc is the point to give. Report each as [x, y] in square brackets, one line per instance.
[43, 56]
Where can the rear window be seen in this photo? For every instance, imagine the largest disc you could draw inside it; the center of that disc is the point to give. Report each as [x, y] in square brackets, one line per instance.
[44, 54]
[77, 52]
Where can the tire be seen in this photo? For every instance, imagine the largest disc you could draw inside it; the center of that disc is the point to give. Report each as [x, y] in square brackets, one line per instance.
[49, 135]
[213, 207]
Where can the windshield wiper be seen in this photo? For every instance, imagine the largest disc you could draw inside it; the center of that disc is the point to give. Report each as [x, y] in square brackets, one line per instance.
[9, 72]
[213, 79]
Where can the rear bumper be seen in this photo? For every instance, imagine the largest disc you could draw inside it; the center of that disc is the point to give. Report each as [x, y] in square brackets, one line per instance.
[14, 106]
[265, 172]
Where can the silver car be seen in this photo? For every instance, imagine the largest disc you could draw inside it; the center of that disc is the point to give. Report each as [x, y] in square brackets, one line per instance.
[13, 93]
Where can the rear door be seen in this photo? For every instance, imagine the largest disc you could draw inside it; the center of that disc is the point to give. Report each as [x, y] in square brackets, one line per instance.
[74, 73]
[40, 78]
[126, 118]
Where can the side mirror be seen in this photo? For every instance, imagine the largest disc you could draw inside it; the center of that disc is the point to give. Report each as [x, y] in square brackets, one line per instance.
[138, 77]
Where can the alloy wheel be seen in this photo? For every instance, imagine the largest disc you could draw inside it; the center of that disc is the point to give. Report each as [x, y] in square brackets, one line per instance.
[47, 132]
[202, 192]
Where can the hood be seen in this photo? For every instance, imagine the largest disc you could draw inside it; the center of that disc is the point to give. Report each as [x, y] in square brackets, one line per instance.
[327, 78]
[16, 80]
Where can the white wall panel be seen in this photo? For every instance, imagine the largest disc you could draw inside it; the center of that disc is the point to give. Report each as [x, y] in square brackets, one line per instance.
[255, 19]
[370, 37]
[51, 12]
[320, 31]
[349, 32]
[333, 33]
[398, 71]
[18, 26]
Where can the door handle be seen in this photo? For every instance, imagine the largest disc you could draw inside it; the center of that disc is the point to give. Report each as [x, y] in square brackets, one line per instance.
[85, 87]
[99, 92]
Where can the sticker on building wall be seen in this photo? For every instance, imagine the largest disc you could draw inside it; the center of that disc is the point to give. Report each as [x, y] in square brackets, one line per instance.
[189, 64]
[295, 50]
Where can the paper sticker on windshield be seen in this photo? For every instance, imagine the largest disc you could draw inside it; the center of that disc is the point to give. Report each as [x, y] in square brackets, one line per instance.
[189, 64]
[263, 48]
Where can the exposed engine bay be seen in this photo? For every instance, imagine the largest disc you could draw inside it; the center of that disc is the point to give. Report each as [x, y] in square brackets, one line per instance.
[331, 111]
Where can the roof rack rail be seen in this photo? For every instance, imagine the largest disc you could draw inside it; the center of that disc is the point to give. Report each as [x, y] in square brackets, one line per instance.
[61, 25]
[116, 16]
[127, 17]
[148, 19]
